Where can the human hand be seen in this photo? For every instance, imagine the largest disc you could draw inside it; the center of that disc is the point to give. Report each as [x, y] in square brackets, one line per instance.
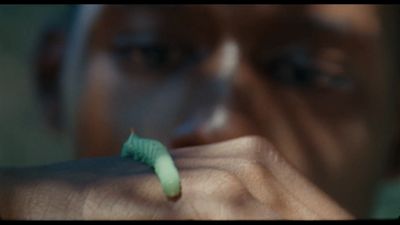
[243, 178]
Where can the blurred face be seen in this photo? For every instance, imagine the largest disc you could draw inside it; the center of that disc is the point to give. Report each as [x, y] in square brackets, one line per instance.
[310, 79]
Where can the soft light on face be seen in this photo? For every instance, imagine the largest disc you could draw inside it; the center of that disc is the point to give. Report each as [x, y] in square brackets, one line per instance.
[307, 78]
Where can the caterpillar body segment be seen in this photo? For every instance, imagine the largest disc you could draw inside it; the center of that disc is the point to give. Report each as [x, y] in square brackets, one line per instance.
[154, 154]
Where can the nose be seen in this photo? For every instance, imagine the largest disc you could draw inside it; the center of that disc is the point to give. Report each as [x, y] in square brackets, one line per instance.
[212, 118]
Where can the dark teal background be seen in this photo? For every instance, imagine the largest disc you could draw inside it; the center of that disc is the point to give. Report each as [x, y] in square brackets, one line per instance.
[24, 139]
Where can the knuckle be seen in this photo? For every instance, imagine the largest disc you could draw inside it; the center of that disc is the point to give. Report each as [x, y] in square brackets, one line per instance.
[256, 141]
[256, 147]
[260, 149]
[251, 167]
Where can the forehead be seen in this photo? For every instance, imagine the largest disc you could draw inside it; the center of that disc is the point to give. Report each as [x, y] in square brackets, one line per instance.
[359, 18]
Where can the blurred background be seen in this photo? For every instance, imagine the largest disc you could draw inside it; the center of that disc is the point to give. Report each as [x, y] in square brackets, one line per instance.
[24, 138]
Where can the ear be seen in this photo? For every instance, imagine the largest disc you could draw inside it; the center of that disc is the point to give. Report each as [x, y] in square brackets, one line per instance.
[47, 64]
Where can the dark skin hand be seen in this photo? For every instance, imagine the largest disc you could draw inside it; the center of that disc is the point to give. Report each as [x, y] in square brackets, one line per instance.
[240, 179]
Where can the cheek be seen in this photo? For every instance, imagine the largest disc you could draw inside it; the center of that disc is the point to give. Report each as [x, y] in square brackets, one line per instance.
[94, 136]
[112, 103]
[321, 145]
[151, 108]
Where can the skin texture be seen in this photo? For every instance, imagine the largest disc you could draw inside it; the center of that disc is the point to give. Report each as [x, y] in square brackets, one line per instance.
[270, 112]
[219, 181]
[154, 154]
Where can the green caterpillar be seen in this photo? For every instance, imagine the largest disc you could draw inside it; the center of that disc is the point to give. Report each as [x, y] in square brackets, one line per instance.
[154, 154]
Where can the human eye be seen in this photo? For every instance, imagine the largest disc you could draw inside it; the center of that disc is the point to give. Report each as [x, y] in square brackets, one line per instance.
[144, 52]
[301, 67]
